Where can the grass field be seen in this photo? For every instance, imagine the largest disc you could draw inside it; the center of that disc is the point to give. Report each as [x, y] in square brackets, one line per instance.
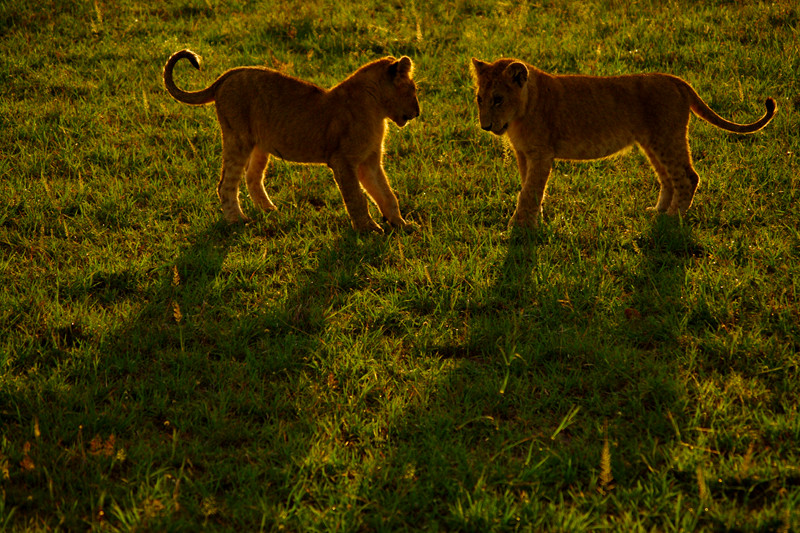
[614, 370]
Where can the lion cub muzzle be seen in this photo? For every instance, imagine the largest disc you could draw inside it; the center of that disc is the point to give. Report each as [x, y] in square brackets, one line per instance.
[497, 131]
[410, 116]
[405, 118]
[414, 112]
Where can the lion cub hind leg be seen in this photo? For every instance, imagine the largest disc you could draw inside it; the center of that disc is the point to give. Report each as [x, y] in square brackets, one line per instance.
[234, 159]
[374, 181]
[664, 180]
[685, 201]
[679, 180]
[254, 177]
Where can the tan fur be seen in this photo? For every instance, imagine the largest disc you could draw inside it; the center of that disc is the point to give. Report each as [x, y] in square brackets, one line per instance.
[264, 113]
[550, 117]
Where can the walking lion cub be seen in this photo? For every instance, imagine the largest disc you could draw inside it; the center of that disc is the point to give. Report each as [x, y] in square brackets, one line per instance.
[550, 117]
[262, 112]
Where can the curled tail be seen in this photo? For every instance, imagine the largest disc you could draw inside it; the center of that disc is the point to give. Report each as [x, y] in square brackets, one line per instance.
[204, 96]
[702, 110]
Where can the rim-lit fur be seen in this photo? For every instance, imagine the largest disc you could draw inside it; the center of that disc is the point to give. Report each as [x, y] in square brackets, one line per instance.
[549, 117]
[264, 113]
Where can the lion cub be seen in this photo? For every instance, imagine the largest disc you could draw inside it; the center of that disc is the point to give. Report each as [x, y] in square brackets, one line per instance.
[262, 112]
[550, 117]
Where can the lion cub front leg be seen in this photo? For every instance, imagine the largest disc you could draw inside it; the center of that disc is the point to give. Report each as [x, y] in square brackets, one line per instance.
[374, 180]
[534, 172]
[678, 179]
[254, 177]
[355, 200]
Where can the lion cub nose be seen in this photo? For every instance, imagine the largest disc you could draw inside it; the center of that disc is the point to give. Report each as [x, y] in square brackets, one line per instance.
[411, 116]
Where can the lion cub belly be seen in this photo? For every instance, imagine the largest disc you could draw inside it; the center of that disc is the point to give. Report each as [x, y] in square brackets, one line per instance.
[584, 135]
[593, 145]
[293, 150]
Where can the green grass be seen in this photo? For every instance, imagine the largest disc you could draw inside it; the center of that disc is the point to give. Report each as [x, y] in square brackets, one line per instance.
[613, 370]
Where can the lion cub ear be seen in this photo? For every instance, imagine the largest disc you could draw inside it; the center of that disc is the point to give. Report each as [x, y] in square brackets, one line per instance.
[478, 66]
[518, 73]
[401, 67]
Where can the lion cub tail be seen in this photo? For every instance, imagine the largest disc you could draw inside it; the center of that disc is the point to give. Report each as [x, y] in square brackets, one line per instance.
[702, 110]
[204, 96]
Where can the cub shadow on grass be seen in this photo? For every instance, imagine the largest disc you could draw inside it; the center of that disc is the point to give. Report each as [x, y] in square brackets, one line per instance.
[666, 248]
[542, 379]
[204, 391]
[223, 381]
[108, 387]
[190, 310]
[193, 375]
[191, 314]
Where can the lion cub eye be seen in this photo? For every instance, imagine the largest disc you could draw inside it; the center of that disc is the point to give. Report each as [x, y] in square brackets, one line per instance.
[497, 101]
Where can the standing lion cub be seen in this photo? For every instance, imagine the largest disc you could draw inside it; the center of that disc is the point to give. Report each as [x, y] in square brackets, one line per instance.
[262, 112]
[550, 117]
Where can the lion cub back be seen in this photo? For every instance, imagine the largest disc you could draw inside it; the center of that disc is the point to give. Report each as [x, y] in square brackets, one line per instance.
[275, 111]
[596, 117]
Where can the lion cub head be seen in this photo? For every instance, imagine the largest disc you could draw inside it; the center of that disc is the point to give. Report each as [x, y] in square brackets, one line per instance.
[400, 91]
[501, 93]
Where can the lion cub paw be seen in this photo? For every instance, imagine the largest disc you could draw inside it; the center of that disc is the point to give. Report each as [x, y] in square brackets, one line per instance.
[367, 226]
[523, 221]
[265, 205]
[401, 224]
[237, 218]
[405, 227]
